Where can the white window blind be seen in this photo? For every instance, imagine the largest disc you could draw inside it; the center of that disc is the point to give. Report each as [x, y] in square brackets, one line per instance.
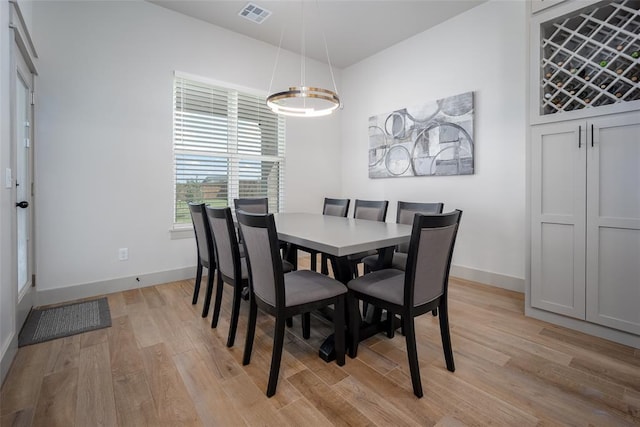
[227, 144]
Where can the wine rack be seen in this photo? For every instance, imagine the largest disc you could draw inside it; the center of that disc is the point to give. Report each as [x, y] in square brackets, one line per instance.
[591, 57]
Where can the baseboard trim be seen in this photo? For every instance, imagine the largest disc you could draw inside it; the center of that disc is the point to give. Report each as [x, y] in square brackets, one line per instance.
[485, 277]
[614, 335]
[87, 290]
[8, 354]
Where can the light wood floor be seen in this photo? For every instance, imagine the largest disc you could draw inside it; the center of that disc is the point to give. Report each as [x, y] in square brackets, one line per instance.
[161, 364]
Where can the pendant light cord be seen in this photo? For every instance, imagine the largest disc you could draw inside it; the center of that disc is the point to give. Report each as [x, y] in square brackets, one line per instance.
[326, 47]
[275, 65]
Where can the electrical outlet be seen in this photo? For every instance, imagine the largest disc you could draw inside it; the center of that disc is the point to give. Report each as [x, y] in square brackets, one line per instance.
[123, 254]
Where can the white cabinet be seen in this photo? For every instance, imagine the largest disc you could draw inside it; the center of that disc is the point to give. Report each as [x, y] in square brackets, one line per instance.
[585, 219]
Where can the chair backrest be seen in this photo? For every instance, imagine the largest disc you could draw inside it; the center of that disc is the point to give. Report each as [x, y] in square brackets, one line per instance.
[373, 210]
[429, 259]
[204, 240]
[336, 207]
[252, 205]
[227, 249]
[406, 212]
[260, 240]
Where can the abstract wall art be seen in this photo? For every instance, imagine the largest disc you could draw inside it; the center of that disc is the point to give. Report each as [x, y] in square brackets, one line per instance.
[435, 138]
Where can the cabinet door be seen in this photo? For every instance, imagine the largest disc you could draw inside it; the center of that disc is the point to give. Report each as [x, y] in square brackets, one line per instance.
[558, 218]
[613, 222]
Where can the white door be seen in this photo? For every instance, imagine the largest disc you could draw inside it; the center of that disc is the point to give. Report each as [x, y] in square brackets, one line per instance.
[23, 181]
[613, 222]
[558, 217]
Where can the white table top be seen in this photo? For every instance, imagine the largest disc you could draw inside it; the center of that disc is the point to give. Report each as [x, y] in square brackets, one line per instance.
[338, 236]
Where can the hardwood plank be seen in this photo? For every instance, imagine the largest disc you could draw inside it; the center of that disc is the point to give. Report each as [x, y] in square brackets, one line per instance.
[337, 410]
[123, 350]
[96, 337]
[133, 296]
[144, 328]
[377, 408]
[219, 361]
[251, 402]
[171, 329]
[206, 392]
[95, 401]
[134, 402]
[422, 411]
[117, 304]
[170, 395]
[302, 413]
[23, 382]
[152, 297]
[21, 418]
[604, 398]
[67, 355]
[57, 402]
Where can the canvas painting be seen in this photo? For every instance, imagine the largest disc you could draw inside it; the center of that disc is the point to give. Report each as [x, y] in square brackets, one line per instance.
[435, 138]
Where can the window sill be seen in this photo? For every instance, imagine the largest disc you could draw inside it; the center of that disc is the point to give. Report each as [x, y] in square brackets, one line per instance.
[177, 233]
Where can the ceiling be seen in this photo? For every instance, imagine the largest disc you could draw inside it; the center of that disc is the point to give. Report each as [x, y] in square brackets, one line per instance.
[354, 29]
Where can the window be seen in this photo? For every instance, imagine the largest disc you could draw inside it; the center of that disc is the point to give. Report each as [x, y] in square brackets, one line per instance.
[227, 144]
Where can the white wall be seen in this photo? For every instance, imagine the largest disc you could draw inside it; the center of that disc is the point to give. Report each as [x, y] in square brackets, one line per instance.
[104, 135]
[484, 51]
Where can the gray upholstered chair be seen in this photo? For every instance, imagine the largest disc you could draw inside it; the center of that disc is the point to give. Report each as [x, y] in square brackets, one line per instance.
[205, 250]
[232, 268]
[372, 210]
[404, 215]
[332, 207]
[418, 290]
[253, 205]
[283, 295]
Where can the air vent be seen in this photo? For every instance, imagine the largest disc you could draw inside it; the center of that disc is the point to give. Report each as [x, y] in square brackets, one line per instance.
[255, 13]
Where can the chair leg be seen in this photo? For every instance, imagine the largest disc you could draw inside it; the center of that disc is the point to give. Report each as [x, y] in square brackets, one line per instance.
[306, 325]
[235, 313]
[324, 264]
[207, 297]
[434, 312]
[217, 302]
[278, 342]
[354, 269]
[355, 319]
[289, 322]
[251, 331]
[412, 352]
[338, 321]
[196, 288]
[314, 261]
[391, 330]
[446, 337]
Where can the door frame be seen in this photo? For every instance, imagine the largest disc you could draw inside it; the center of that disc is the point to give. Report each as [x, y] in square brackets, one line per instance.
[22, 61]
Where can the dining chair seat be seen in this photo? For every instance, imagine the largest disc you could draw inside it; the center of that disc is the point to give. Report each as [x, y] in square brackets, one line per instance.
[304, 286]
[387, 285]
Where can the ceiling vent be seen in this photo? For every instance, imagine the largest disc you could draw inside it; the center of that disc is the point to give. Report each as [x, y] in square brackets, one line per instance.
[254, 13]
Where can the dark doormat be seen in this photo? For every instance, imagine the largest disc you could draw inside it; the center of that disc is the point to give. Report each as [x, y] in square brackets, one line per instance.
[64, 320]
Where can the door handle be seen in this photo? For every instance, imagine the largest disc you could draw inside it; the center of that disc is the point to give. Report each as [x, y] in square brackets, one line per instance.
[24, 204]
[579, 136]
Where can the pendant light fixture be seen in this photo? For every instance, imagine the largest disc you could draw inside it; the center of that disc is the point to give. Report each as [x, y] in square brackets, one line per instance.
[303, 100]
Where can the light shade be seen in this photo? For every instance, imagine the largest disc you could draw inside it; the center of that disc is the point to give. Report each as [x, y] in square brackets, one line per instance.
[304, 101]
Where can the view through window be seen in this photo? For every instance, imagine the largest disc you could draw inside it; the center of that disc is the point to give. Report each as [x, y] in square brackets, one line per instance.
[227, 144]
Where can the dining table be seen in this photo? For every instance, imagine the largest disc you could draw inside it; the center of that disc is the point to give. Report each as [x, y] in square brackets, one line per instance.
[340, 237]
